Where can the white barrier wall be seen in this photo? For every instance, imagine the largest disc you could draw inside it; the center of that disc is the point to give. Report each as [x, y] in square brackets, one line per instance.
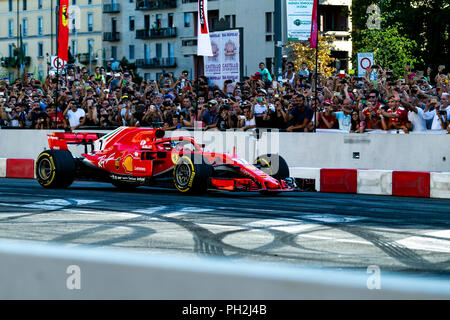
[413, 152]
[49, 271]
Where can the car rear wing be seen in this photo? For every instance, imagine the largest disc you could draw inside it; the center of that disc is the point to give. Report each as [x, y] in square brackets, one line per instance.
[60, 140]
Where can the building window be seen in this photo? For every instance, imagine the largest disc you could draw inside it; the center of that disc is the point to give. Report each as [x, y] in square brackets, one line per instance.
[158, 50]
[24, 2]
[90, 22]
[40, 26]
[39, 4]
[24, 27]
[269, 24]
[170, 50]
[73, 48]
[25, 49]
[131, 52]
[187, 19]
[74, 2]
[146, 52]
[10, 28]
[10, 5]
[171, 20]
[40, 50]
[231, 20]
[114, 52]
[10, 50]
[131, 23]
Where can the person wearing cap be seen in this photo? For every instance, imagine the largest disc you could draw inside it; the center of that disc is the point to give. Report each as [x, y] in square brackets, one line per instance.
[208, 114]
[261, 108]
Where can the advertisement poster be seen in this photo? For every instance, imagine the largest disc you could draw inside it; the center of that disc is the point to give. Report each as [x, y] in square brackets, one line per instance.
[224, 64]
[299, 14]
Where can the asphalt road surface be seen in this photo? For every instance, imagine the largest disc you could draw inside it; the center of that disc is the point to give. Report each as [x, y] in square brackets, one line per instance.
[307, 229]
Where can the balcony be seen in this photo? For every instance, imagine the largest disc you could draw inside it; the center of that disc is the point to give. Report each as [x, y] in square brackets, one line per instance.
[156, 63]
[111, 8]
[156, 33]
[188, 46]
[13, 62]
[111, 36]
[83, 58]
[155, 4]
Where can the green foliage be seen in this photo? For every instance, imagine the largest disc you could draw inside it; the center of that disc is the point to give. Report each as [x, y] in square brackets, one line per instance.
[426, 22]
[391, 49]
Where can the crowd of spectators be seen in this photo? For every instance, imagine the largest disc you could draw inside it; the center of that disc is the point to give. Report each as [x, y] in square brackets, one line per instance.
[111, 97]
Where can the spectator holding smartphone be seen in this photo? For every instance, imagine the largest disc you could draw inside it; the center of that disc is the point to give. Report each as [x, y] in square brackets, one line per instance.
[75, 115]
[438, 112]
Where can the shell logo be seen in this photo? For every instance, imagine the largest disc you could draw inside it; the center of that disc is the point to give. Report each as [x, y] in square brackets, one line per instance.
[128, 164]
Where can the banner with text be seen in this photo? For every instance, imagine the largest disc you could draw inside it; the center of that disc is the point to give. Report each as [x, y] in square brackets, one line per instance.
[224, 64]
[299, 14]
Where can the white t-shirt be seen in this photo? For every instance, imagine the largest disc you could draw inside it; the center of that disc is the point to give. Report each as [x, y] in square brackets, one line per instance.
[436, 124]
[74, 117]
[417, 120]
[250, 122]
[261, 109]
[345, 122]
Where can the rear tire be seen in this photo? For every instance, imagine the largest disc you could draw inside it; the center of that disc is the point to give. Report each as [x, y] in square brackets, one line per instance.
[191, 174]
[55, 169]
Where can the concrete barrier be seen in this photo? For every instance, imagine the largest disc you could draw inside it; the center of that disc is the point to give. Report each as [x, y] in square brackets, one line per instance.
[378, 182]
[320, 150]
[2, 167]
[49, 271]
[440, 185]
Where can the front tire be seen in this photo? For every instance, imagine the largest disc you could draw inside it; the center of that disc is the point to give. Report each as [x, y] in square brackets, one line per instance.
[55, 169]
[191, 174]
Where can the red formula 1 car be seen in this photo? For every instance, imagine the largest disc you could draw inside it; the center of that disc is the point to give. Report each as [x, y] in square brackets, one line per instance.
[131, 157]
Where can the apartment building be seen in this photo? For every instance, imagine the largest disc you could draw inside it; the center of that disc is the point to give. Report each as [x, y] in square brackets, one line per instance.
[335, 20]
[161, 35]
[36, 21]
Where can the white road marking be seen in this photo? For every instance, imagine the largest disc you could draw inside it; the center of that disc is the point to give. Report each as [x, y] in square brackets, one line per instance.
[429, 241]
[51, 204]
[291, 226]
[331, 218]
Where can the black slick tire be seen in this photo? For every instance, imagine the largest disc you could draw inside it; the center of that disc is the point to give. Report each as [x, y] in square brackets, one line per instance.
[191, 174]
[55, 169]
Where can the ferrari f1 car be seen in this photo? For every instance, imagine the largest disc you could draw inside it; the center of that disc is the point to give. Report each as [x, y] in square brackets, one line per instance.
[131, 157]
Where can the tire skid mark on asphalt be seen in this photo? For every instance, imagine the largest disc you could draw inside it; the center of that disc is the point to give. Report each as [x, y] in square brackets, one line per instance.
[396, 250]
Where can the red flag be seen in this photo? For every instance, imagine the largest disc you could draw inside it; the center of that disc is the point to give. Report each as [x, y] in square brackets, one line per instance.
[314, 28]
[204, 47]
[63, 30]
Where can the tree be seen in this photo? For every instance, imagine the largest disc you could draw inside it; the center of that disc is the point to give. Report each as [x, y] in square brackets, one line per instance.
[391, 49]
[423, 21]
[301, 52]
